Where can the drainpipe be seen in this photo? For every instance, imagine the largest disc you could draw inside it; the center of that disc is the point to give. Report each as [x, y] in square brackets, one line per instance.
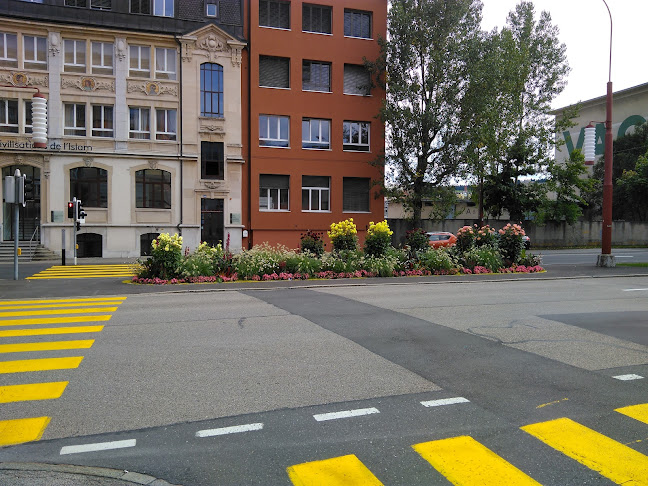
[179, 226]
[249, 119]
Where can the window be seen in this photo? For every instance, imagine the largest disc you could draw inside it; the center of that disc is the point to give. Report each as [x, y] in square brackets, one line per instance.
[140, 61]
[165, 63]
[28, 117]
[35, 52]
[140, 6]
[355, 194]
[211, 90]
[75, 119]
[355, 136]
[8, 50]
[356, 80]
[274, 131]
[316, 76]
[357, 23]
[76, 3]
[211, 9]
[316, 133]
[75, 56]
[102, 121]
[9, 116]
[163, 8]
[274, 13]
[102, 58]
[101, 4]
[165, 124]
[90, 184]
[274, 192]
[316, 18]
[140, 127]
[274, 72]
[153, 189]
[315, 193]
[146, 240]
[212, 160]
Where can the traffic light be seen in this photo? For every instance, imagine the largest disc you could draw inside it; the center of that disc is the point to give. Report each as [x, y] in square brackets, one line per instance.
[81, 214]
[71, 210]
[29, 189]
[78, 226]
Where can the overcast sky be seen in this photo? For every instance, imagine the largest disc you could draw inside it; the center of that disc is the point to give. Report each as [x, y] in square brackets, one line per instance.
[585, 30]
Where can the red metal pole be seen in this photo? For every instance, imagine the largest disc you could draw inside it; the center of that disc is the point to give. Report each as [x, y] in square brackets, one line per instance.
[606, 240]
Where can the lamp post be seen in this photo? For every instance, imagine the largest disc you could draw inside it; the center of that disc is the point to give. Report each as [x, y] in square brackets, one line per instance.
[606, 259]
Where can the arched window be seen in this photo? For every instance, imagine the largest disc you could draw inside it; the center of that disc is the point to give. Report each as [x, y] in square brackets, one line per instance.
[90, 184]
[153, 189]
[211, 90]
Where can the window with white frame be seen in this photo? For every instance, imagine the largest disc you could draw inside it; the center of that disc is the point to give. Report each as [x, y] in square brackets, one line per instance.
[274, 131]
[9, 116]
[356, 80]
[165, 124]
[316, 193]
[139, 123]
[163, 8]
[8, 50]
[165, 63]
[355, 136]
[102, 121]
[102, 57]
[27, 116]
[74, 119]
[34, 52]
[274, 192]
[211, 9]
[139, 61]
[316, 76]
[74, 60]
[316, 133]
[355, 194]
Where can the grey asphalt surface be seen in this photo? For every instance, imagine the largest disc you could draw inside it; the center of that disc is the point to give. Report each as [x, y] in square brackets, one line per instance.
[322, 312]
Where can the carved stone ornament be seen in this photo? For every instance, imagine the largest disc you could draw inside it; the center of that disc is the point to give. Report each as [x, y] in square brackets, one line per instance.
[212, 184]
[237, 53]
[120, 49]
[87, 84]
[152, 89]
[153, 164]
[54, 43]
[23, 79]
[188, 46]
[88, 161]
[212, 129]
[212, 45]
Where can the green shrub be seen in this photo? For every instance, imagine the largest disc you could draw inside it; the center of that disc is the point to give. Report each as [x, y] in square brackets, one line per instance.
[529, 260]
[485, 236]
[166, 256]
[510, 243]
[383, 266]
[485, 256]
[465, 238]
[260, 260]
[344, 235]
[197, 264]
[378, 239]
[417, 240]
[312, 242]
[342, 261]
[436, 260]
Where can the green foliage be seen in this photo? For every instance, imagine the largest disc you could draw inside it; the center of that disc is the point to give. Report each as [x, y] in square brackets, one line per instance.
[436, 260]
[417, 240]
[378, 239]
[465, 238]
[485, 256]
[195, 265]
[485, 236]
[344, 235]
[510, 243]
[383, 265]
[342, 261]
[312, 242]
[633, 187]
[166, 256]
[529, 260]
[260, 260]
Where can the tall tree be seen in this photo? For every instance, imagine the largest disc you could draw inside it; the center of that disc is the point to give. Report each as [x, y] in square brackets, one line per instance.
[426, 56]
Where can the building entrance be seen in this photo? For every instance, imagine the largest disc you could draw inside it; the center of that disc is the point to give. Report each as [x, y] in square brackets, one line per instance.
[211, 220]
[29, 219]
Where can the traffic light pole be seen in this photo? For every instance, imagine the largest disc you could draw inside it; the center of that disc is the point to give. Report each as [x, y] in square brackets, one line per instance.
[74, 229]
[15, 232]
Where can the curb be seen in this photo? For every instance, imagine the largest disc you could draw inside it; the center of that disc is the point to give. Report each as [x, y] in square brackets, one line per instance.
[99, 472]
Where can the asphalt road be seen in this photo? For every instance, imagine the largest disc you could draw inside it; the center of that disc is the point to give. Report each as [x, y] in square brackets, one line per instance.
[233, 387]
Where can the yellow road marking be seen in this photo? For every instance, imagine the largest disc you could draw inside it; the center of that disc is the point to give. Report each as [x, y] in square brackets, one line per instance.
[22, 430]
[637, 412]
[82, 276]
[35, 391]
[464, 461]
[45, 346]
[50, 330]
[53, 306]
[338, 471]
[611, 459]
[53, 320]
[54, 301]
[43, 364]
[56, 311]
[86, 271]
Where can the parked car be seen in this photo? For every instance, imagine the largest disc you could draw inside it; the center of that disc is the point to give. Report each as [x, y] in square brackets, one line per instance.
[441, 238]
[527, 242]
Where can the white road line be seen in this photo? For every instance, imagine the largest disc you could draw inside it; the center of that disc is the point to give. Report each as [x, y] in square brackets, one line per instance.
[98, 446]
[628, 377]
[235, 429]
[445, 401]
[634, 290]
[345, 414]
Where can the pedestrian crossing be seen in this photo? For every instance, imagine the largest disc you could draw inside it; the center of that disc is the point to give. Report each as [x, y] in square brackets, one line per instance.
[87, 271]
[32, 331]
[464, 461]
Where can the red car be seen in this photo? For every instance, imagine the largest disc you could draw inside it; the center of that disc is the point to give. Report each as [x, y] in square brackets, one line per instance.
[441, 238]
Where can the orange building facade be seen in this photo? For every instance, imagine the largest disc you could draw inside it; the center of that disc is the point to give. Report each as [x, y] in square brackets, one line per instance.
[310, 118]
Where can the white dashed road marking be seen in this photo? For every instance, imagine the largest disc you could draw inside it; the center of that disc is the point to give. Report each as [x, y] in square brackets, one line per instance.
[235, 429]
[628, 377]
[345, 414]
[98, 446]
[445, 401]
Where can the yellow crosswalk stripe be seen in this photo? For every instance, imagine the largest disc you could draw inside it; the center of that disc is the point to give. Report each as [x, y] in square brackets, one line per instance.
[54, 301]
[42, 364]
[466, 462]
[22, 430]
[637, 412]
[57, 306]
[56, 311]
[50, 330]
[87, 271]
[338, 471]
[32, 391]
[45, 346]
[611, 459]
[53, 320]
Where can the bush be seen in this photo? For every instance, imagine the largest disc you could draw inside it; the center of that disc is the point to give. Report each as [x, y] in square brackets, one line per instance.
[347, 261]
[465, 238]
[260, 260]
[510, 243]
[529, 260]
[417, 240]
[198, 264]
[485, 256]
[485, 236]
[378, 239]
[312, 242]
[166, 256]
[436, 260]
[344, 235]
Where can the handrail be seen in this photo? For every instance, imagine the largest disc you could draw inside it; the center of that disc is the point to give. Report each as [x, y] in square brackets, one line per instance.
[31, 253]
